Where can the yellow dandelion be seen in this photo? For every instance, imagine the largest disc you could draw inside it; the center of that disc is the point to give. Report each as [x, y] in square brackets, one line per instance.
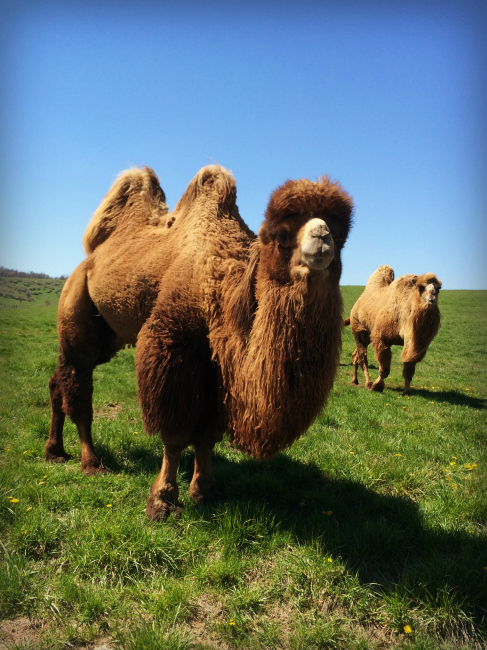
[232, 622]
[352, 452]
[467, 389]
[397, 454]
[471, 532]
[330, 560]
[302, 503]
[29, 508]
[41, 482]
[454, 486]
[454, 457]
[25, 532]
[14, 500]
[407, 629]
[24, 452]
[431, 402]
[330, 512]
[387, 404]
[452, 463]
[109, 505]
[45, 476]
[135, 433]
[474, 464]
[7, 448]
[448, 478]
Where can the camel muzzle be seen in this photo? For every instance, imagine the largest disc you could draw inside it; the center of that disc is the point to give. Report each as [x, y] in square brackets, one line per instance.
[317, 248]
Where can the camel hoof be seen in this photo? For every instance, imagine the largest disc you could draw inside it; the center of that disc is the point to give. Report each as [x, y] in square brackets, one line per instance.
[158, 510]
[354, 383]
[406, 393]
[90, 470]
[204, 491]
[57, 458]
[377, 388]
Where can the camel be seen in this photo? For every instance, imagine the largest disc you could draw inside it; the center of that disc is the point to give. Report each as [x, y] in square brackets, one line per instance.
[233, 332]
[394, 312]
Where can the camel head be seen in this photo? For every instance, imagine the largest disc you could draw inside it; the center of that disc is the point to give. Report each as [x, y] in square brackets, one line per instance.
[428, 287]
[305, 228]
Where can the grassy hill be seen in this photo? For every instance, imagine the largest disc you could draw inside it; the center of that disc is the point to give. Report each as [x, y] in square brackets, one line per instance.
[370, 532]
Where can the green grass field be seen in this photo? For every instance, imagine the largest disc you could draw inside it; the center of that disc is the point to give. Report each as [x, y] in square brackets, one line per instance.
[370, 532]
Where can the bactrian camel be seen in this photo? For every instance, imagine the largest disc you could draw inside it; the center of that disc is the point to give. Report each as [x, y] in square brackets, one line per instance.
[233, 332]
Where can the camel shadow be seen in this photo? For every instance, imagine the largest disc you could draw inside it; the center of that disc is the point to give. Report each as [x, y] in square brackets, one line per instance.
[382, 539]
[450, 396]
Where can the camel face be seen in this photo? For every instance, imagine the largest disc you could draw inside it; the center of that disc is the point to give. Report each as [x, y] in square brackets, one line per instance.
[316, 244]
[430, 293]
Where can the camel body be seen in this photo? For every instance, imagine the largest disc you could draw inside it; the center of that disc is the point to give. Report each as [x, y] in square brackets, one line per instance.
[394, 312]
[232, 332]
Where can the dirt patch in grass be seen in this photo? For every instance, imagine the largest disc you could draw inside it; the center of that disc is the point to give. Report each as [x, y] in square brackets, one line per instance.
[19, 630]
[108, 412]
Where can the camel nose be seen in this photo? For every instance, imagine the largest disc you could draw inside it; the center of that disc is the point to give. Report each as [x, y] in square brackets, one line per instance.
[317, 248]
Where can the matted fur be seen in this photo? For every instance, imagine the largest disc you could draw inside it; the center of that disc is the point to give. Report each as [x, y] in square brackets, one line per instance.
[233, 332]
[393, 312]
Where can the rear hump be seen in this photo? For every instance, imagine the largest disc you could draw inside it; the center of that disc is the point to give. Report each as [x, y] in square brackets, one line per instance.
[135, 196]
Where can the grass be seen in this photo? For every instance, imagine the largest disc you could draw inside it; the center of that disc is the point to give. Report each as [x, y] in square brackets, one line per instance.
[370, 532]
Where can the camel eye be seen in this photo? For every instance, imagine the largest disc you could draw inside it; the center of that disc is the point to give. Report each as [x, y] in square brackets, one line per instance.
[284, 238]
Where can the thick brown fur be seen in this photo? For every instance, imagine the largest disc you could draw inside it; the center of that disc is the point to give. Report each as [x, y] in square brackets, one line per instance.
[233, 332]
[394, 312]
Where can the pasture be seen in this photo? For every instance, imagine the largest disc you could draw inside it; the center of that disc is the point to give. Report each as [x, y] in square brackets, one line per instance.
[369, 532]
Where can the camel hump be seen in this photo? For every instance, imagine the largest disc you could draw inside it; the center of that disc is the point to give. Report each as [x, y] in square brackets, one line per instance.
[382, 277]
[135, 196]
[212, 180]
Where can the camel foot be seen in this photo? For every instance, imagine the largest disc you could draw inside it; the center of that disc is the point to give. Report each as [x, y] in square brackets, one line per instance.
[406, 392]
[354, 382]
[378, 388]
[91, 471]
[54, 455]
[203, 490]
[159, 510]
[92, 465]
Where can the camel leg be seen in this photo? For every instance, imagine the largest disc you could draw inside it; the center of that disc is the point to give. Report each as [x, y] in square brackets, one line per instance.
[359, 357]
[408, 370]
[383, 355]
[55, 452]
[71, 389]
[203, 485]
[164, 493]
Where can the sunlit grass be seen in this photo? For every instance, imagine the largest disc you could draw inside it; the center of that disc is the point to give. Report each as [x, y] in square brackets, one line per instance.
[369, 532]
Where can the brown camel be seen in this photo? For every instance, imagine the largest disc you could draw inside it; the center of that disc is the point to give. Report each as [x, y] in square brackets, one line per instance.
[394, 312]
[233, 332]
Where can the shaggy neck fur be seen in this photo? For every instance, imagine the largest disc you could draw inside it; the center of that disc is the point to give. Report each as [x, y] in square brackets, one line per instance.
[266, 364]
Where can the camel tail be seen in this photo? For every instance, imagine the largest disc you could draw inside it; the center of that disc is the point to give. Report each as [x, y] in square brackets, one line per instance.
[135, 196]
[210, 180]
[346, 321]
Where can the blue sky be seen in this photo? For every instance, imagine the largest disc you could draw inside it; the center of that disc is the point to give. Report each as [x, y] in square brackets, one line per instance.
[388, 98]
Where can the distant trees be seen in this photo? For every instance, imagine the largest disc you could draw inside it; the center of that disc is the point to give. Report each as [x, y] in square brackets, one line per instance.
[11, 273]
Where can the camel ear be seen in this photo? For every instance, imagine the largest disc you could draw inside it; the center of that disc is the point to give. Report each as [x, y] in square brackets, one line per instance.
[413, 281]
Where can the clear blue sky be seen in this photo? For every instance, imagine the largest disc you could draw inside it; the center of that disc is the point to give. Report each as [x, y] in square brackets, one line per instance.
[389, 98]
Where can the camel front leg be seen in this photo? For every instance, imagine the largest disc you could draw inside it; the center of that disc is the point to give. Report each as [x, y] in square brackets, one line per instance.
[164, 493]
[383, 355]
[203, 485]
[408, 370]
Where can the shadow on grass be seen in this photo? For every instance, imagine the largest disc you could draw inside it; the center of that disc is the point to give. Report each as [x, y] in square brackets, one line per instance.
[450, 396]
[382, 538]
